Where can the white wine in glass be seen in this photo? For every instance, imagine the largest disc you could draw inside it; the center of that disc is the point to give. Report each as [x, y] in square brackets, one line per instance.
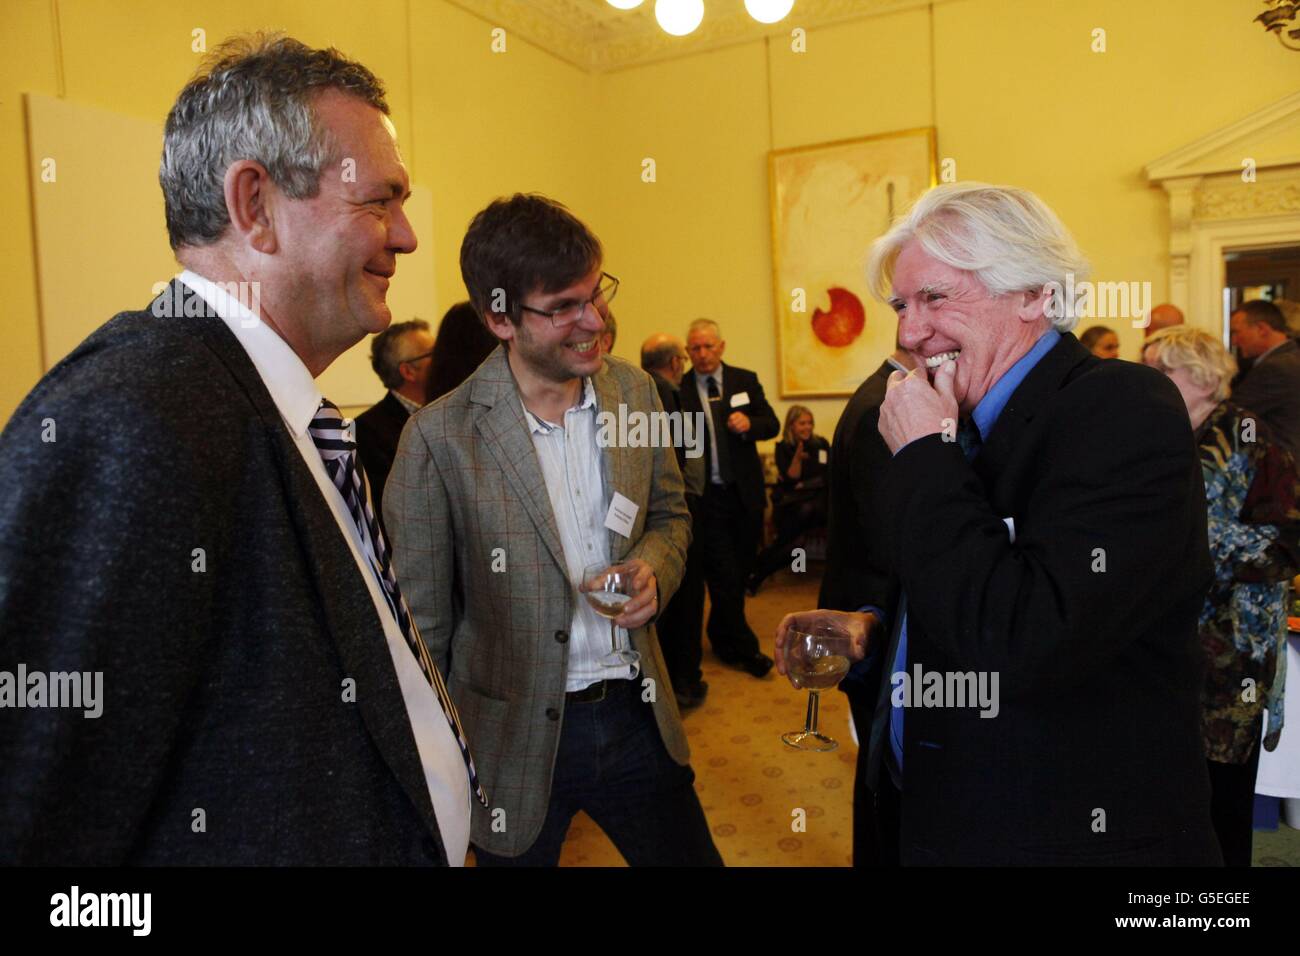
[816, 660]
[607, 588]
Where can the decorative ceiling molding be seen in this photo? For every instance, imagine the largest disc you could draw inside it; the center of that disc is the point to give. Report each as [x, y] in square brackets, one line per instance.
[593, 36]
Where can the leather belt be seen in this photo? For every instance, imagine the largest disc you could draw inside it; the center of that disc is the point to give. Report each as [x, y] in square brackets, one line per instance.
[594, 693]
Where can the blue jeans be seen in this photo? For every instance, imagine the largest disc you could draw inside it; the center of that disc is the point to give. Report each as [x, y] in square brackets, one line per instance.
[612, 763]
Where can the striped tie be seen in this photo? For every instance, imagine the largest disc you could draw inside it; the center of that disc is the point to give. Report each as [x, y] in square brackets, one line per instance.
[331, 433]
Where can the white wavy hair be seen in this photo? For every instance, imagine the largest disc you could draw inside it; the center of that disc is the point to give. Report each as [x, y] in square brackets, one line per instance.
[1006, 237]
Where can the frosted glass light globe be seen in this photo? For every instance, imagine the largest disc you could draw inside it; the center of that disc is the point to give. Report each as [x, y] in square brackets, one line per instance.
[769, 11]
[624, 4]
[679, 17]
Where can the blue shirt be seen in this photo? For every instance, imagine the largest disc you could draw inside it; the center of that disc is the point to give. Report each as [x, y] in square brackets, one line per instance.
[985, 416]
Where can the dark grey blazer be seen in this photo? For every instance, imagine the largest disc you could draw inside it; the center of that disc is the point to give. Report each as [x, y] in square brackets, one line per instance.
[225, 737]
[1271, 389]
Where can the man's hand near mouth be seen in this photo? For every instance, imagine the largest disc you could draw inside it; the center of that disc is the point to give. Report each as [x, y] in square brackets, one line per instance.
[913, 408]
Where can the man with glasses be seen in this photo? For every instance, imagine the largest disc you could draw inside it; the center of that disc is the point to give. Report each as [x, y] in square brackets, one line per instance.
[400, 357]
[506, 496]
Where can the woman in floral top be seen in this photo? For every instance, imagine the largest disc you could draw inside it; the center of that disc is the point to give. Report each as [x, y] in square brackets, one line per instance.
[1254, 532]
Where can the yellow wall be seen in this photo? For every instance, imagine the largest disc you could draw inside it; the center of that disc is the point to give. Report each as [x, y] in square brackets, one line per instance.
[1012, 86]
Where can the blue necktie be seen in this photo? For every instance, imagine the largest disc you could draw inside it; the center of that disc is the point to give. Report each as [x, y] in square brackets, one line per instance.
[330, 431]
[968, 436]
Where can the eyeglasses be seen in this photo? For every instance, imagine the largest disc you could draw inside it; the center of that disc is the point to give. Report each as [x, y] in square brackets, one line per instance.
[571, 312]
[415, 358]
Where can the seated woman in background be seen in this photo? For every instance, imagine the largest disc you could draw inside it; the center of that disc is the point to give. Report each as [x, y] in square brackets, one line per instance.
[799, 501]
[1100, 341]
[1254, 530]
[462, 344]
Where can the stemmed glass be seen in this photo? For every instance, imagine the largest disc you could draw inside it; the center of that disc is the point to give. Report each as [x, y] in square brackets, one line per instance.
[607, 588]
[816, 659]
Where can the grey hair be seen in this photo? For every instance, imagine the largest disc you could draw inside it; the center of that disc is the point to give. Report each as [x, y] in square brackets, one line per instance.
[251, 99]
[385, 350]
[705, 324]
[1006, 237]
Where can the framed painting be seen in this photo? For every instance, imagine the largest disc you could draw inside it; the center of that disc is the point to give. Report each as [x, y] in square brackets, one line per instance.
[829, 202]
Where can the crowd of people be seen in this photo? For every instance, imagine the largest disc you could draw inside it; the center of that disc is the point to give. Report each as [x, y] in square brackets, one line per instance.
[466, 617]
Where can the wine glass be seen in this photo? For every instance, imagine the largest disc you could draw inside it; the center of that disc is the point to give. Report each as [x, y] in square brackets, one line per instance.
[816, 659]
[607, 588]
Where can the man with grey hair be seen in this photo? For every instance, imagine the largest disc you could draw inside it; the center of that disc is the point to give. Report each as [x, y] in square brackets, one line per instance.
[183, 512]
[736, 416]
[400, 356]
[1031, 488]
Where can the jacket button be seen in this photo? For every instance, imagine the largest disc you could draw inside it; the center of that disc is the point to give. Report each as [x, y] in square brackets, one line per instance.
[552, 713]
[562, 636]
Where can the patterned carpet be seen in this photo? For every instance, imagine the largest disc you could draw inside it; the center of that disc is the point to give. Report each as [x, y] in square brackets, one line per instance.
[751, 784]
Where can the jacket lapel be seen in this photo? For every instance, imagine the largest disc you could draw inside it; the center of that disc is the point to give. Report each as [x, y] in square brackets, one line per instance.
[347, 611]
[1043, 380]
[613, 456]
[506, 436]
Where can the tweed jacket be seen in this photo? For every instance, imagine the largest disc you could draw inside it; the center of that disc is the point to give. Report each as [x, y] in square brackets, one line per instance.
[466, 493]
[170, 535]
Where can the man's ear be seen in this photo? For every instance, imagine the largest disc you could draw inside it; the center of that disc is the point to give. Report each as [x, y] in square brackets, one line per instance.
[248, 190]
[722, 347]
[499, 324]
[1034, 304]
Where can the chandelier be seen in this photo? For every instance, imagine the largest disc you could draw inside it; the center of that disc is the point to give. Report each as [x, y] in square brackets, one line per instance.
[680, 17]
[1280, 19]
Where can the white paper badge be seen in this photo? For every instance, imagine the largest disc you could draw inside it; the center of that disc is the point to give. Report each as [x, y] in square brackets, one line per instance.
[821, 456]
[622, 515]
[740, 398]
[1011, 528]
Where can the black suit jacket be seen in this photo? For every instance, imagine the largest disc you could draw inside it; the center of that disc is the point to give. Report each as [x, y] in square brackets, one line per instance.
[763, 425]
[225, 736]
[1089, 618]
[379, 428]
[1271, 389]
[857, 564]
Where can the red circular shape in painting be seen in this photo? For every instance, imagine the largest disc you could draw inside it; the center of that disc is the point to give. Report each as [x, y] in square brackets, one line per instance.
[843, 322]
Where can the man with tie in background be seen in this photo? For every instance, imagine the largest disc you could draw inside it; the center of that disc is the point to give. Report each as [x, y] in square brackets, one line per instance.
[736, 415]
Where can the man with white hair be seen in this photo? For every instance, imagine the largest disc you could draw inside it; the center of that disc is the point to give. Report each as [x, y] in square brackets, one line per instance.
[1040, 698]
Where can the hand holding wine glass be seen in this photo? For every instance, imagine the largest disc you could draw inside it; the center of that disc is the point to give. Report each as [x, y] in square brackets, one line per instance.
[617, 592]
[817, 659]
[856, 625]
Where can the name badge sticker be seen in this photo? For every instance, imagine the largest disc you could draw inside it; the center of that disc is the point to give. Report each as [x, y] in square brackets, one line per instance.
[740, 398]
[821, 456]
[622, 515]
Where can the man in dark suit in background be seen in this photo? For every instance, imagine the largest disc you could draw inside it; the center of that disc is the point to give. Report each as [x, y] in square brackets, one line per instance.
[858, 575]
[1042, 693]
[736, 415]
[1271, 388]
[682, 620]
[400, 357]
[177, 518]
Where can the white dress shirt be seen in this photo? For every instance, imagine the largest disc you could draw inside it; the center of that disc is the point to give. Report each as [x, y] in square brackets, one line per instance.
[570, 458]
[406, 403]
[298, 399]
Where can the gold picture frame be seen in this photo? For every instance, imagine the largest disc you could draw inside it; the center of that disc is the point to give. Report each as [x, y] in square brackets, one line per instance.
[829, 202]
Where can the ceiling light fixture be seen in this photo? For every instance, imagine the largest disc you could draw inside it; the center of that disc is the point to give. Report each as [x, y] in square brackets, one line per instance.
[769, 11]
[679, 17]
